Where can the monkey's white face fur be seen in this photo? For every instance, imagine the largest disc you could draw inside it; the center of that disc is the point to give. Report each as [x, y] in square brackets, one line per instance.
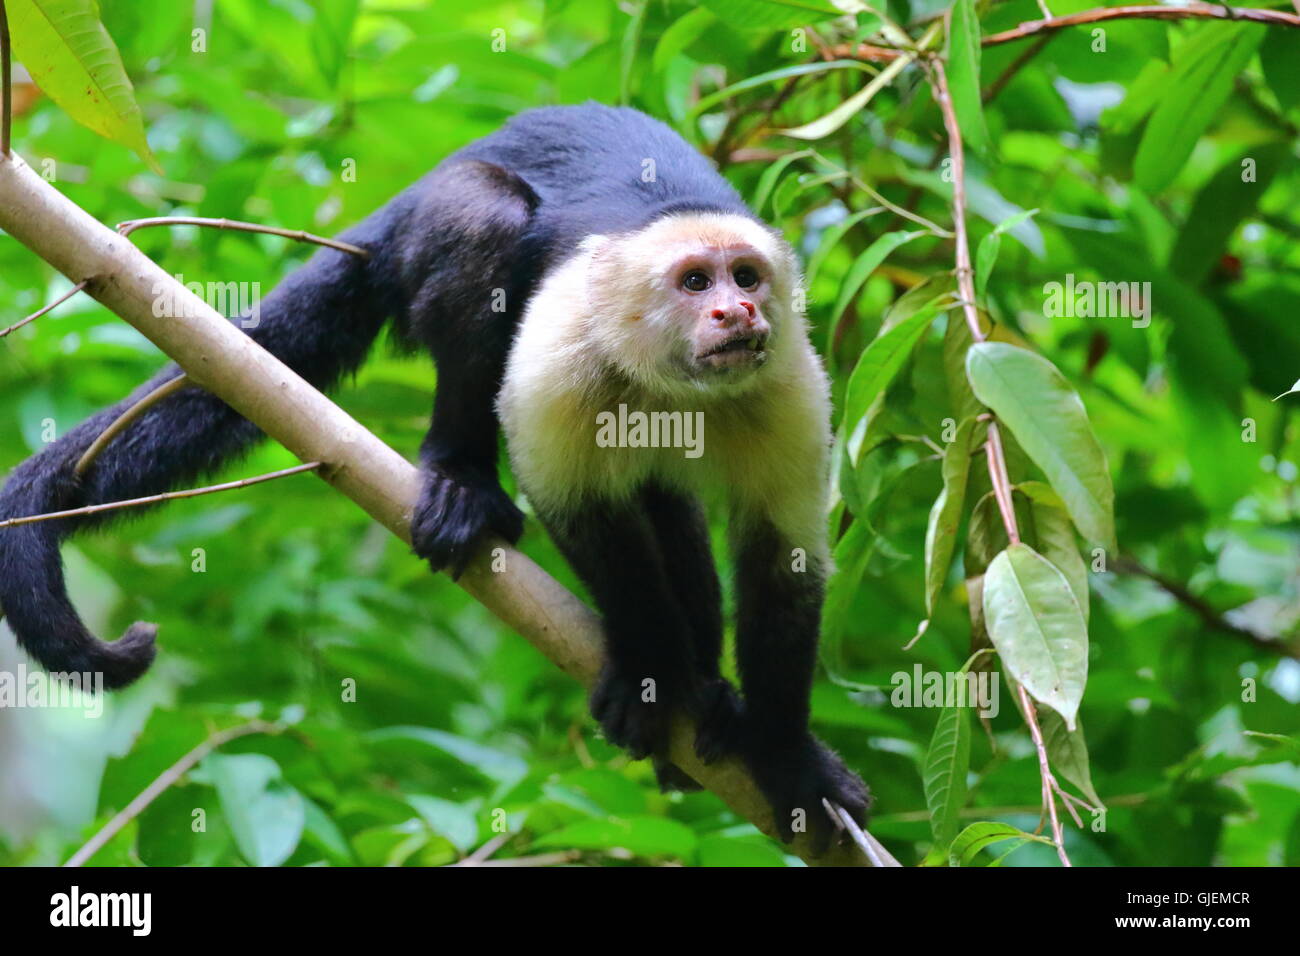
[692, 314]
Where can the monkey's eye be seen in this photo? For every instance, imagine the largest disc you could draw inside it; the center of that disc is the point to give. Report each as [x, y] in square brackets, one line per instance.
[696, 281]
[746, 277]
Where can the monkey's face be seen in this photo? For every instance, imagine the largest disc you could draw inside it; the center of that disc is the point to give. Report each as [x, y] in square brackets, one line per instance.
[705, 302]
[720, 294]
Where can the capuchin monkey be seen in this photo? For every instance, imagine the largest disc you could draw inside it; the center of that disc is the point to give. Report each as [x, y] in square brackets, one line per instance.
[580, 263]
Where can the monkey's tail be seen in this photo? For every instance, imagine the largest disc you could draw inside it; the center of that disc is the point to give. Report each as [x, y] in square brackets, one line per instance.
[320, 321]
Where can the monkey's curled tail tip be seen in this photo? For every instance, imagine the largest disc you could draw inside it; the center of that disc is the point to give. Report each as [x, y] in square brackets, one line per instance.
[125, 659]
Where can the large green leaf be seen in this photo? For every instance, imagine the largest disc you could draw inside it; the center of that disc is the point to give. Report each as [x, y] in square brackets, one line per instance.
[1198, 86]
[771, 14]
[945, 516]
[265, 813]
[1037, 626]
[1047, 417]
[883, 358]
[977, 836]
[73, 59]
[868, 262]
[964, 76]
[1054, 538]
[946, 764]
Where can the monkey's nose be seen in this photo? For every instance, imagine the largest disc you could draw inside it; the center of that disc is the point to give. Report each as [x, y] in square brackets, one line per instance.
[742, 313]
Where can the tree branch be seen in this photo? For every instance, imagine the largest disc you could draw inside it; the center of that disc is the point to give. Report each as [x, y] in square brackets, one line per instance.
[220, 358]
[1195, 11]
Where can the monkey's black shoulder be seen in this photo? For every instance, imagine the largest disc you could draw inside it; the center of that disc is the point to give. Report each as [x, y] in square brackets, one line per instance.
[601, 169]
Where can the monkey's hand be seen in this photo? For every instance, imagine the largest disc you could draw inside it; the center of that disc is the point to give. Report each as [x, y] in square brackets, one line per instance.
[455, 511]
[795, 777]
[719, 720]
[636, 710]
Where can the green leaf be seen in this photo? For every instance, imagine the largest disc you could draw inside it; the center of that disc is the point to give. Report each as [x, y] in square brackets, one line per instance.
[1054, 540]
[946, 764]
[945, 516]
[322, 832]
[1199, 84]
[644, 836]
[493, 764]
[829, 240]
[454, 821]
[771, 14]
[882, 359]
[1067, 751]
[825, 125]
[684, 31]
[1220, 207]
[977, 836]
[266, 815]
[75, 62]
[1047, 417]
[767, 182]
[738, 851]
[964, 76]
[866, 263]
[987, 254]
[1037, 627]
[773, 76]
[1279, 55]
[331, 36]
[627, 52]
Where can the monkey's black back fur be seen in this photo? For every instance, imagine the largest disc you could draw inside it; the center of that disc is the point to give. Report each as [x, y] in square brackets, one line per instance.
[495, 215]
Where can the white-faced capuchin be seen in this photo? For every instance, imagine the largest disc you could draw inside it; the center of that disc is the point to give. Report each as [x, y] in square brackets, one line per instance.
[579, 266]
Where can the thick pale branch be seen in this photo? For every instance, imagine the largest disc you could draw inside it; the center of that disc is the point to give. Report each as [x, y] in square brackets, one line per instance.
[220, 358]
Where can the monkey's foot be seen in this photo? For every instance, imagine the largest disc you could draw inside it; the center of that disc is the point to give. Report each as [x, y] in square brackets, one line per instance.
[795, 778]
[455, 512]
[635, 710]
[672, 777]
[719, 721]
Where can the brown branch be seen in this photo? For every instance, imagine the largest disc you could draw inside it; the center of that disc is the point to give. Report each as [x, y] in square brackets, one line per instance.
[165, 496]
[40, 312]
[1208, 614]
[1050, 787]
[131, 225]
[160, 784]
[126, 418]
[1200, 11]
[998, 85]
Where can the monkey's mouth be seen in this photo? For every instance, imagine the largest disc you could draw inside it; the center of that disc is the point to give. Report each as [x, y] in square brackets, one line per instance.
[735, 352]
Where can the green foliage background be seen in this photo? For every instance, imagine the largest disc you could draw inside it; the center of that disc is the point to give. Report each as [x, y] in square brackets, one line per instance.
[458, 724]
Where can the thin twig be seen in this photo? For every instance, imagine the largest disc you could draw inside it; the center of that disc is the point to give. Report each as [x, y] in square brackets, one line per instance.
[126, 418]
[541, 859]
[482, 853]
[1002, 483]
[1207, 613]
[1015, 67]
[164, 780]
[1196, 11]
[165, 496]
[40, 312]
[1049, 781]
[869, 845]
[131, 225]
